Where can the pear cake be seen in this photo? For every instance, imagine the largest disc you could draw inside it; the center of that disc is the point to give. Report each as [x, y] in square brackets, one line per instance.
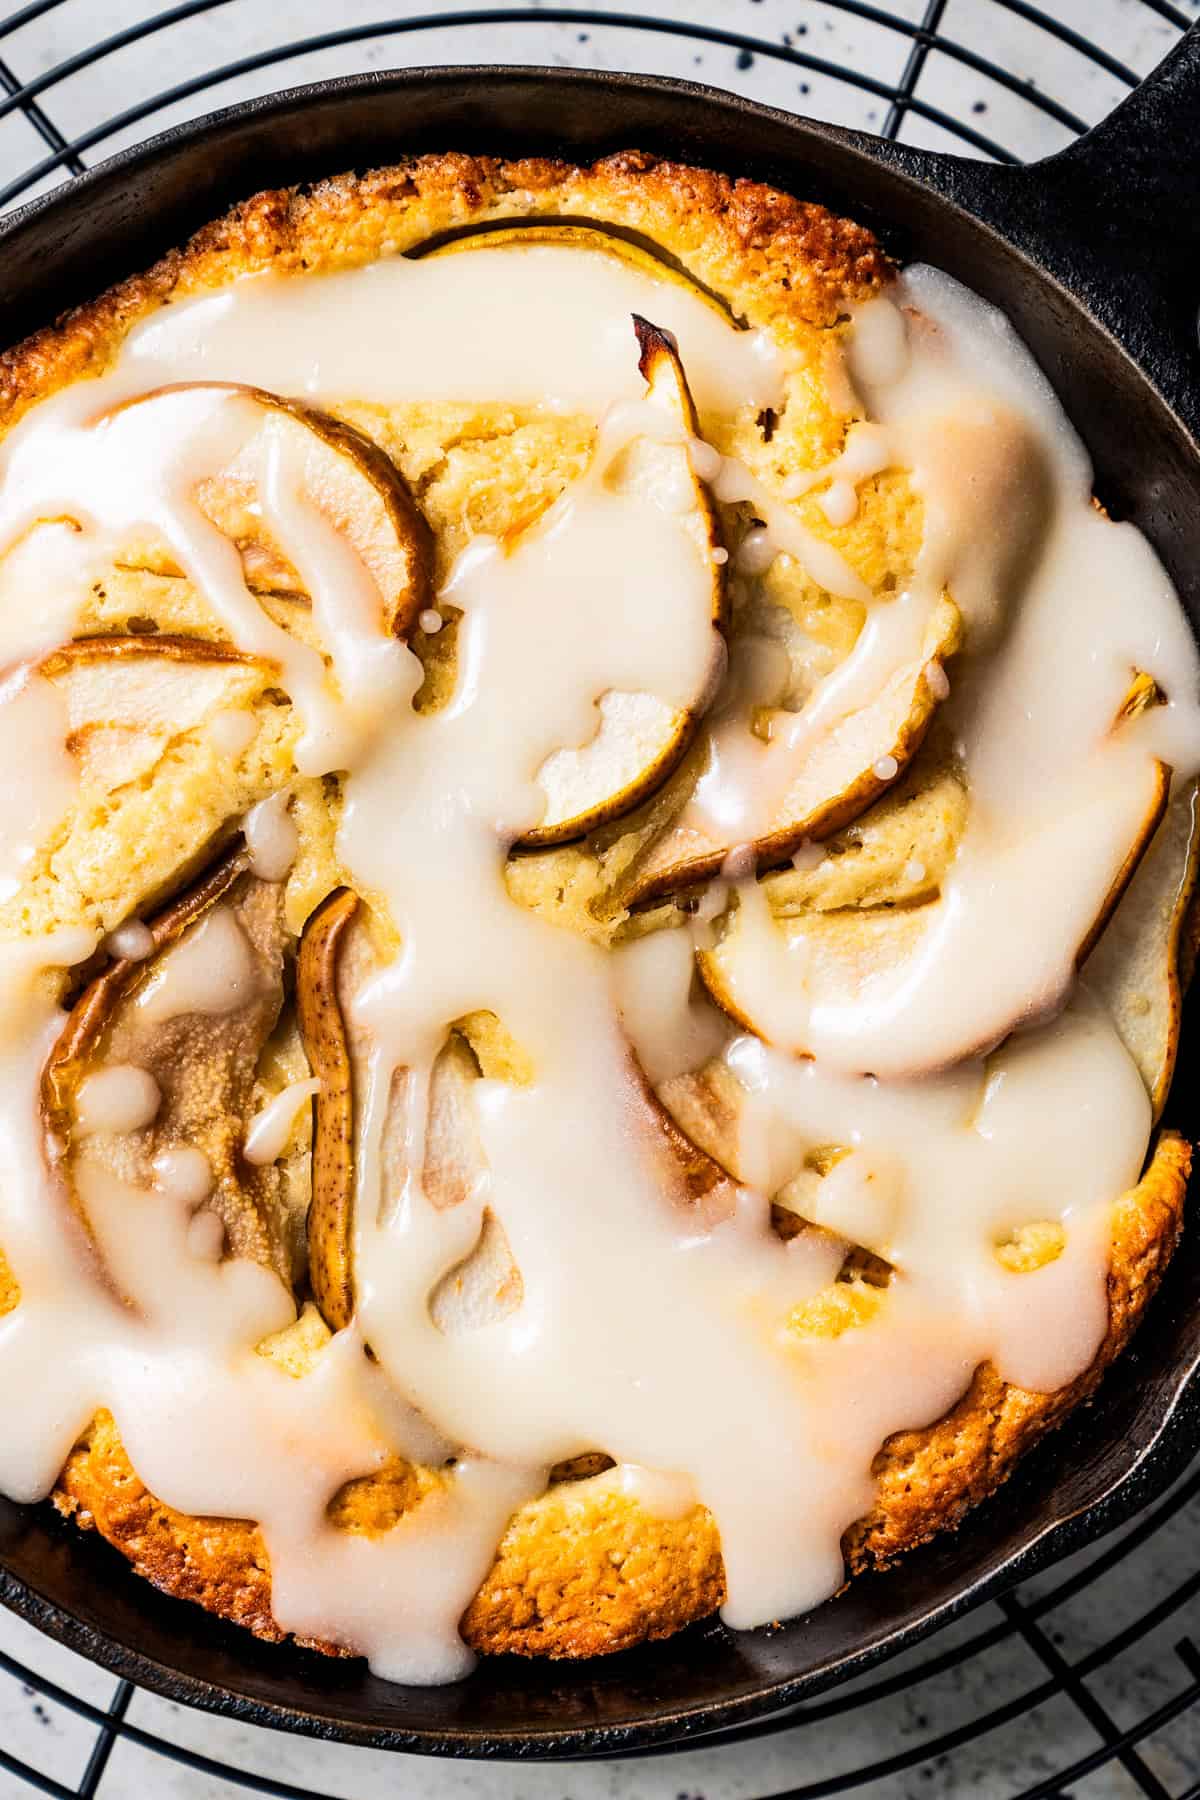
[594, 897]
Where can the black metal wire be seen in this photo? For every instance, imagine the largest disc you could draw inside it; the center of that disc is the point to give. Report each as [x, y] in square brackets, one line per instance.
[902, 99]
[102, 1749]
[1065, 1678]
[912, 69]
[1137, 1734]
[49, 133]
[812, 1712]
[1055, 28]
[1118, 1744]
[472, 18]
[1069, 1680]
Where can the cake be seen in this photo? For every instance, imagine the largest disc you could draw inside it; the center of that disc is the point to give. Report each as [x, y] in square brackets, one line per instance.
[594, 906]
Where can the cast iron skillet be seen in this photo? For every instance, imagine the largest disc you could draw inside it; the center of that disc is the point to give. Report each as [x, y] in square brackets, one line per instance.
[1093, 254]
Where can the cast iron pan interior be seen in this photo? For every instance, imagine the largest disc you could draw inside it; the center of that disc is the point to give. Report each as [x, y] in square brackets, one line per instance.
[1090, 254]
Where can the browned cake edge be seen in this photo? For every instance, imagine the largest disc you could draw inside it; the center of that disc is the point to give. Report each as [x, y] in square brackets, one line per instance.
[582, 1571]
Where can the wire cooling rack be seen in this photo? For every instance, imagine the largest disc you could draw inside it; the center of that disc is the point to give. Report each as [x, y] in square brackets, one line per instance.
[1083, 1683]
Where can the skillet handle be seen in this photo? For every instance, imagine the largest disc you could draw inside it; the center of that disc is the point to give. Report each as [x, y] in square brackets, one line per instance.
[1115, 218]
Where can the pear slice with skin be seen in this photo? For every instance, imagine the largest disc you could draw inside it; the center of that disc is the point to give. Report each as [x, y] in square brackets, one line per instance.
[323, 1031]
[708, 1106]
[861, 725]
[201, 1054]
[486, 1284]
[641, 739]
[92, 1011]
[346, 479]
[840, 955]
[637, 253]
[127, 697]
[332, 945]
[834, 779]
[1135, 968]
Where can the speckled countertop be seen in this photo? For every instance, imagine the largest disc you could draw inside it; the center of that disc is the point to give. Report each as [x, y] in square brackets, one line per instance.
[907, 1730]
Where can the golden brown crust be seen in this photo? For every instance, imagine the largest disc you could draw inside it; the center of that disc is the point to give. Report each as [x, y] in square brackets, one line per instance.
[221, 1564]
[583, 1571]
[928, 1479]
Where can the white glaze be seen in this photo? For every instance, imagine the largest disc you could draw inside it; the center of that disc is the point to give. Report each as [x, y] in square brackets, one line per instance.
[656, 1491]
[232, 730]
[807, 856]
[183, 1174]
[32, 714]
[210, 970]
[118, 1097]
[132, 941]
[554, 334]
[782, 534]
[1058, 1112]
[122, 461]
[271, 838]
[42, 582]
[269, 1130]
[674, 1028]
[205, 1235]
[1056, 805]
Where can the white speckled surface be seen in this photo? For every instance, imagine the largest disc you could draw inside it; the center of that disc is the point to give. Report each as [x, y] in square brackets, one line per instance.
[1018, 1755]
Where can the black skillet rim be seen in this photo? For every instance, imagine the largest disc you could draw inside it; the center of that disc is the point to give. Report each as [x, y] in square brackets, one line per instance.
[1152, 1465]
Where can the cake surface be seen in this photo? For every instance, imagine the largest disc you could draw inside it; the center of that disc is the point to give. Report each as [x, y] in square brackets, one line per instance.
[224, 792]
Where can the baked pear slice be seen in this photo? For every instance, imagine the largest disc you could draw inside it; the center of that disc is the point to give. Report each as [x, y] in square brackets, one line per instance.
[639, 254]
[159, 1059]
[331, 956]
[323, 1033]
[335, 958]
[127, 697]
[1135, 970]
[641, 738]
[819, 780]
[843, 985]
[337, 474]
[712, 1108]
